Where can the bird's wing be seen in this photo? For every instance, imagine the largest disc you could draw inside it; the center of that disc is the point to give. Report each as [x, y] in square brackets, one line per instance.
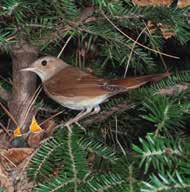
[72, 82]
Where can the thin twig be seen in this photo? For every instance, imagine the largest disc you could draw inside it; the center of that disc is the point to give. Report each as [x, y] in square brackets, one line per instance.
[113, 39]
[39, 26]
[5, 129]
[65, 45]
[131, 53]
[61, 29]
[51, 117]
[8, 159]
[144, 46]
[116, 137]
[154, 43]
[11, 37]
[8, 114]
[32, 101]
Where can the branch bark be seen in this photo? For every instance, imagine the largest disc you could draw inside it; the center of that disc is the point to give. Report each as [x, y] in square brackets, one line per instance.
[24, 84]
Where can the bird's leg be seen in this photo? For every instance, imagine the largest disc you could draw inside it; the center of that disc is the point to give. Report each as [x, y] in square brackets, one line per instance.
[79, 116]
[69, 122]
[95, 111]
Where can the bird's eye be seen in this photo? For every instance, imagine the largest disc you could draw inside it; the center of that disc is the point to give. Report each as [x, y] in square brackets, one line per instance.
[44, 62]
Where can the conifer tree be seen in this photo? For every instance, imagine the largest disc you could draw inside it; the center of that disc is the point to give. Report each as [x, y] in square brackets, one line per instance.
[140, 140]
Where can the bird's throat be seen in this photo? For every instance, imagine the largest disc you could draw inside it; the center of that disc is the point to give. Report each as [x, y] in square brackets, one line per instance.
[48, 74]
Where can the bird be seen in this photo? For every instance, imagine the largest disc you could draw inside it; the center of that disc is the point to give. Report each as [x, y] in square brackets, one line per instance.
[79, 90]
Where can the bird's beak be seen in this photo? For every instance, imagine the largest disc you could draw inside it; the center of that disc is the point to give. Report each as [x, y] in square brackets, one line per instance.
[28, 69]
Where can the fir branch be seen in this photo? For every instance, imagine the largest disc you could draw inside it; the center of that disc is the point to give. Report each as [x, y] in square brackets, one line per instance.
[103, 183]
[40, 163]
[141, 45]
[184, 166]
[75, 164]
[66, 9]
[130, 173]
[163, 87]
[158, 152]
[72, 160]
[164, 112]
[166, 182]
[93, 146]
[5, 38]
[54, 185]
[60, 30]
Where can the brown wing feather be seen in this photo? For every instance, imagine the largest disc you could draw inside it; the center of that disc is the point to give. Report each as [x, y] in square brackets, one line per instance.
[73, 82]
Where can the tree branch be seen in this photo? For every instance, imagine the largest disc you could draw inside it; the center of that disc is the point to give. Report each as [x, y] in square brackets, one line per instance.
[102, 116]
[24, 84]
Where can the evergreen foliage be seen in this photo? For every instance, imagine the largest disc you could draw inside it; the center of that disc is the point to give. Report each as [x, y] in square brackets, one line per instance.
[144, 147]
[159, 152]
[166, 182]
[66, 155]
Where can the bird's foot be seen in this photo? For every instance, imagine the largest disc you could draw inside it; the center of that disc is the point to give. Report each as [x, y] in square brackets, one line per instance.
[95, 111]
[78, 117]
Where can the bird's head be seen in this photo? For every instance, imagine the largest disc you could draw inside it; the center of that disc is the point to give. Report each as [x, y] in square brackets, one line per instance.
[46, 67]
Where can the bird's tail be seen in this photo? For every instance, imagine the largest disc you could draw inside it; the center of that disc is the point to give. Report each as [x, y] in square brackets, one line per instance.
[135, 82]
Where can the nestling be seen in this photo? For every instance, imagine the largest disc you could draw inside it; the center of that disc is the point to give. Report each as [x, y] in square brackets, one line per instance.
[78, 90]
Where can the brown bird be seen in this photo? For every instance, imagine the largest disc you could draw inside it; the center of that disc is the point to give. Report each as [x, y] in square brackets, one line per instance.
[79, 90]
